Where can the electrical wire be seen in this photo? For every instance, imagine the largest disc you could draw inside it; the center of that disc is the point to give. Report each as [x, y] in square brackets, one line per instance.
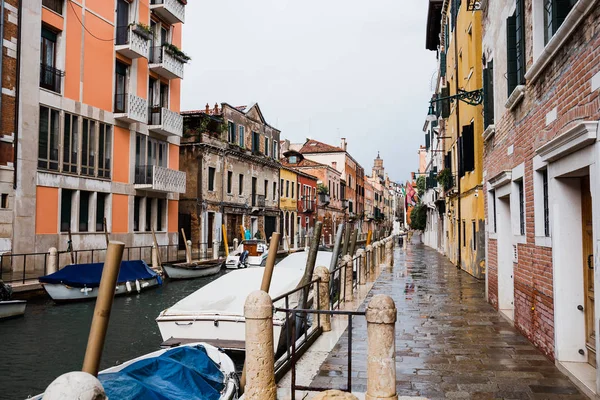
[86, 29]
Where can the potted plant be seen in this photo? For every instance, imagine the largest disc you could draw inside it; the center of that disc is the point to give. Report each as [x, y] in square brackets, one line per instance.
[323, 192]
[444, 178]
[176, 52]
[143, 30]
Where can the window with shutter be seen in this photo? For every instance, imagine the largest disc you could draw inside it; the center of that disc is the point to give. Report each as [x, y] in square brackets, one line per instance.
[427, 141]
[511, 54]
[460, 156]
[555, 12]
[445, 103]
[468, 148]
[488, 94]
[520, 40]
[443, 64]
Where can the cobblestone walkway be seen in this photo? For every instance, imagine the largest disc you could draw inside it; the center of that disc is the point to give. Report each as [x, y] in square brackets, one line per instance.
[450, 343]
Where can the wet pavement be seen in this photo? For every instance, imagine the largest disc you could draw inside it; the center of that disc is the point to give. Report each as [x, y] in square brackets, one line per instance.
[450, 343]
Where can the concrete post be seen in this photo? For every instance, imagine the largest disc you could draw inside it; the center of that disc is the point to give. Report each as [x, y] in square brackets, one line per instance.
[362, 275]
[188, 252]
[389, 253]
[335, 395]
[349, 281]
[323, 288]
[52, 261]
[381, 348]
[235, 244]
[75, 385]
[370, 265]
[343, 276]
[260, 357]
[155, 265]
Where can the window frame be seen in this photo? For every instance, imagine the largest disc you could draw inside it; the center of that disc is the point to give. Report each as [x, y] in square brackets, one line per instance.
[240, 184]
[211, 179]
[53, 118]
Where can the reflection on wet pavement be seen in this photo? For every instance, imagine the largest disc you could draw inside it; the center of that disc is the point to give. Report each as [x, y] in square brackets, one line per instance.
[450, 343]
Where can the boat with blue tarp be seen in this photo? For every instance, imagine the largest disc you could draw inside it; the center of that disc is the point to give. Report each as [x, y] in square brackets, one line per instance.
[81, 281]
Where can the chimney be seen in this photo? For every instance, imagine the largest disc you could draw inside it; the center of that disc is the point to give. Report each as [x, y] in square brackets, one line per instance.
[216, 111]
[334, 164]
[207, 109]
[344, 145]
[285, 146]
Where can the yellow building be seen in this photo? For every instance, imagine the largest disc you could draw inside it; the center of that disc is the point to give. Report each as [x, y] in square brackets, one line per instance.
[288, 203]
[461, 70]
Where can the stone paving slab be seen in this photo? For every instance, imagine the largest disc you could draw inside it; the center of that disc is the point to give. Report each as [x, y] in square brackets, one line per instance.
[450, 343]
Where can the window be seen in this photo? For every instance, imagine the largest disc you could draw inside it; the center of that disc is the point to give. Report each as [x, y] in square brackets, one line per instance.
[281, 188]
[122, 36]
[241, 136]
[50, 77]
[70, 143]
[84, 211]
[555, 12]
[88, 147]
[266, 189]
[148, 152]
[468, 148]
[160, 210]
[255, 142]
[546, 205]
[48, 139]
[274, 190]
[464, 233]
[66, 202]
[120, 87]
[521, 208]
[292, 190]
[148, 214]
[515, 47]
[54, 5]
[474, 231]
[241, 184]
[275, 150]
[104, 150]
[488, 94]
[211, 179]
[494, 210]
[267, 147]
[293, 159]
[100, 211]
[229, 182]
[4, 200]
[231, 137]
[136, 213]
[287, 188]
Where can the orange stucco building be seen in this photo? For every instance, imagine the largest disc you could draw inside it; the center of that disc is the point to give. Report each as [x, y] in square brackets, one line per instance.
[100, 124]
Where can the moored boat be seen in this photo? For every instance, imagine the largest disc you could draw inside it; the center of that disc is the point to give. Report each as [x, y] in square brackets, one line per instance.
[195, 269]
[81, 281]
[249, 253]
[12, 308]
[192, 371]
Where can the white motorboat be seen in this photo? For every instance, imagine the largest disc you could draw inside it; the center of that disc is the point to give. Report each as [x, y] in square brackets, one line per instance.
[250, 253]
[215, 312]
[195, 269]
[12, 308]
[194, 370]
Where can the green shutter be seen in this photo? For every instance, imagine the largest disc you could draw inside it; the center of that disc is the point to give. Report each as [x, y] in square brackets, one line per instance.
[488, 94]
[520, 40]
[560, 10]
[461, 162]
[445, 103]
[443, 64]
[427, 141]
[468, 148]
[511, 54]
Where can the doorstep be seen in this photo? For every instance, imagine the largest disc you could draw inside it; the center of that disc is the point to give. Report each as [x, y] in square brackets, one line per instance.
[583, 375]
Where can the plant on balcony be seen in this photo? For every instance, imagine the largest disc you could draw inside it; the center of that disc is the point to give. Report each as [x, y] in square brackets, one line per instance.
[143, 30]
[418, 217]
[444, 178]
[322, 189]
[421, 185]
[176, 52]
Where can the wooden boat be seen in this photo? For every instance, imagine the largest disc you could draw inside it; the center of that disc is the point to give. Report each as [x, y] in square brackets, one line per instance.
[81, 281]
[195, 269]
[191, 371]
[250, 253]
[12, 308]
[215, 312]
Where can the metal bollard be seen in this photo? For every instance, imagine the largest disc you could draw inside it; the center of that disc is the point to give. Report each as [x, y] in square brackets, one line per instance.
[260, 357]
[52, 261]
[349, 281]
[323, 288]
[362, 270]
[381, 348]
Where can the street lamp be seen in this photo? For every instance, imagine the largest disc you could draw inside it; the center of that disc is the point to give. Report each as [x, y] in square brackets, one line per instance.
[431, 114]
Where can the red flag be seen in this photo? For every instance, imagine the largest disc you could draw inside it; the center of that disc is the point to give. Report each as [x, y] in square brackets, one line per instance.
[410, 194]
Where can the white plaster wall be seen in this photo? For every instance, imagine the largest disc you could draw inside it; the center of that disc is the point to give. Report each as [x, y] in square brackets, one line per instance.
[506, 288]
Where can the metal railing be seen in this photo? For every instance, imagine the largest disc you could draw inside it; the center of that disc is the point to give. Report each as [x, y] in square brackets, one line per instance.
[50, 78]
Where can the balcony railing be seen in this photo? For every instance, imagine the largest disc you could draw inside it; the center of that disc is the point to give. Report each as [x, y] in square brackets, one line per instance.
[50, 78]
[132, 42]
[159, 179]
[258, 200]
[324, 199]
[308, 205]
[165, 63]
[172, 11]
[131, 108]
[54, 5]
[164, 121]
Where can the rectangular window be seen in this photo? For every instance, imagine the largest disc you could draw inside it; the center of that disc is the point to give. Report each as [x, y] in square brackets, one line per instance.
[287, 188]
[474, 233]
[148, 214]
[292, 190]
[136, 213]
[120, 87]
[231, 137]
[88, 147]
[494, 210]
[229, 182]
[255, 142]
[546, 204]
[122, 34]
[464, 233]
[521, 208]
[50, 77]
[48, 139]
[160, 210]
[275, 153]
[515, 47]
[241, 184]
[4, 200]
[104, 150]
[100, 211]
[468, 148]
[211, 179]
[281, 188]
[555, 12]
[267, 147]
[66, 202]
[266, 189]
[70, 143]
[54, 5]
[274, 190]
[242, 136]
[84, 211]
[488, 94]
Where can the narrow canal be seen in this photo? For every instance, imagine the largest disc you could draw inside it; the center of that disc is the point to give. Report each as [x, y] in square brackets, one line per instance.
[51, 339]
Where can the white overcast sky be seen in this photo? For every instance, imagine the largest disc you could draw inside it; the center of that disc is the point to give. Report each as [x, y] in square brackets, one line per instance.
[323, 69]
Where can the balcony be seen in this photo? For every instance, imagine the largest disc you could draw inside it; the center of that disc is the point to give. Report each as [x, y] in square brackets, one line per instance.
[159, 179]
[164, 121]
[258, 200]
[324, 199]
[172, 11]
[166, 63]
[130, 108]
[132, 42]
[369, 216]
[51, 78]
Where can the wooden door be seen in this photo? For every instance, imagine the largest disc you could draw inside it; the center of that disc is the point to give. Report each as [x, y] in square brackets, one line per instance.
[588, 268]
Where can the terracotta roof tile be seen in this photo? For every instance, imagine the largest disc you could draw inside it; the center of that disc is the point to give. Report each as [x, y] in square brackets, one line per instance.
[314, 146]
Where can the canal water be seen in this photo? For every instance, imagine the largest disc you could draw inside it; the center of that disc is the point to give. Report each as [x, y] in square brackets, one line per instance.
[51, 339]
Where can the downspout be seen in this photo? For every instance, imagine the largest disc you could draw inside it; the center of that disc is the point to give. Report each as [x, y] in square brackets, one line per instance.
[2, 53]
[458, 254]
[17, 90]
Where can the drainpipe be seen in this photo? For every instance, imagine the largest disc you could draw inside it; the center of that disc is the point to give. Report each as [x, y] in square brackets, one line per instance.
[458, 241]
[2, 52]
[17, 89]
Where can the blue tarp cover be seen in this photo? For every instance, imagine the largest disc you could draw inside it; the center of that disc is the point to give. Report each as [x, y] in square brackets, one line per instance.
[180, 373]
[88, 275]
